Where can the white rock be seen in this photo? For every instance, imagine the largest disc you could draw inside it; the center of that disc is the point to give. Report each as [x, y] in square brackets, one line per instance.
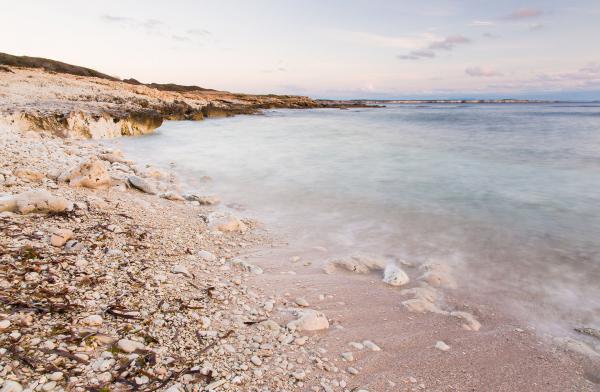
[93, 320]
[225, 222]
[141, 184]
[56, 376]
[41, 201]
[371, 346]
[130, 346]
[256, 360]
[302, 302]
[441, 346]
[206, 256]
[394, 275]
[299, 374]
[11, 386]
[352, 371]
[180, 269]
[90, 174]
[348, 356]
[309, 320]
[4, 324]
[102, 364]
[49, 386]
[356, 345]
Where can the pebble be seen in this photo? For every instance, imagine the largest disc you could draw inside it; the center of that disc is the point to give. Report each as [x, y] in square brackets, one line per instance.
[348, 356]
[94, 320]
[11, 386]
[49, 386]
[4, 324]
[371, 346]
[442, 346]
[299, 374]
[352, 371]
[256, 360]
[206, 256]
[56, 376]
[302, 302]
[60, 237]
[180, 269]
[129, 346]
[356, 345]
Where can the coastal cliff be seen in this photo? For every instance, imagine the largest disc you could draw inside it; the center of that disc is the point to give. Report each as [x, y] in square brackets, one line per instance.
[76, 102]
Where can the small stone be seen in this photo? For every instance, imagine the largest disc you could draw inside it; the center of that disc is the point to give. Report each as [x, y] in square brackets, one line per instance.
[442, 346]
[309, 320]
[299, 375]
[180, 269]
[348, 356]
[356, 345]
[56, 376]
[141, 184]
[142, 380]
[4, 324]
[60, 237]
[102, 365]
[302, 302]
[130, 346]
[256, 360]
[352, 371]
[206, 256]
[93, 321]
[49, 386]
[11, 386]
[371, 346]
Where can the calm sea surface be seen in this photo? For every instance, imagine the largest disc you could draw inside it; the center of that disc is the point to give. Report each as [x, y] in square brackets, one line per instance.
[507, 194]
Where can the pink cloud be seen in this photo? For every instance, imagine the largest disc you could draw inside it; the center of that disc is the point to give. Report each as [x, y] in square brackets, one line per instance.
[482, 72]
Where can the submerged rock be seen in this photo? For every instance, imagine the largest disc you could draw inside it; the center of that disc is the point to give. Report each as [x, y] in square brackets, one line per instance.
[394, 275]
[309, 320]
[225, 222]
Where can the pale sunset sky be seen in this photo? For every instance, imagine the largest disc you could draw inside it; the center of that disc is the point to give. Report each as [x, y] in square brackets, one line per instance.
[325, 49]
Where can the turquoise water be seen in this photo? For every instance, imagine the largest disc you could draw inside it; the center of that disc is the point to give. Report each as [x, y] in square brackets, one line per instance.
[507, 194]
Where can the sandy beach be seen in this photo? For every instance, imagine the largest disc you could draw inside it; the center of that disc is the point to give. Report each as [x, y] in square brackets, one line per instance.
[114, 279]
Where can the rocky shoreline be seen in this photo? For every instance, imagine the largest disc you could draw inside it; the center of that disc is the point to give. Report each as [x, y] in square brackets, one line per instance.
[111, 280]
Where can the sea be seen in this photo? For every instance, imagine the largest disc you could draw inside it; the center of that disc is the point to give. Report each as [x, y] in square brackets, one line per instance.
[507, 194]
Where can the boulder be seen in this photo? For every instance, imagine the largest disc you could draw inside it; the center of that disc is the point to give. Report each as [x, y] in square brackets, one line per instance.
[41, 201]
[89, 174]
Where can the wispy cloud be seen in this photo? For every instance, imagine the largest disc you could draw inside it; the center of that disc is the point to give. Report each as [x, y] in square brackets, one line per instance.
[198, 32]
[413, 41]
[482, 72]
[429, 51]
[417, 55]
[481, 23]
[584, 78]
[523, 13]
[449, 43]
[150, 25]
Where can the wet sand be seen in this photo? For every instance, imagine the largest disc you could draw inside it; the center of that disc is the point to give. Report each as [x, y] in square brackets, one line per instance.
[502, 356]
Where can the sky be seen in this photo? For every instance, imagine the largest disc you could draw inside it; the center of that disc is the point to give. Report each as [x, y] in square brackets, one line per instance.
[325, 49]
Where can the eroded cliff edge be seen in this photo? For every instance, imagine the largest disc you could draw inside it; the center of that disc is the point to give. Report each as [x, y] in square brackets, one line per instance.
[78, 106]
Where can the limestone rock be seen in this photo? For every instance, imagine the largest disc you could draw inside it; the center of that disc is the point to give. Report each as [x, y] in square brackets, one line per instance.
[41, 201]
[442, 346]
[28, 174]
[309, 320]
[394, 275]
[180, 269]
[371, 346]
[89, 174]
[8, 203]
[11, 386]
[141, 184]
[60, 237]
[225, 222]
[130, 346]
[206, 256]
[173, 196]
